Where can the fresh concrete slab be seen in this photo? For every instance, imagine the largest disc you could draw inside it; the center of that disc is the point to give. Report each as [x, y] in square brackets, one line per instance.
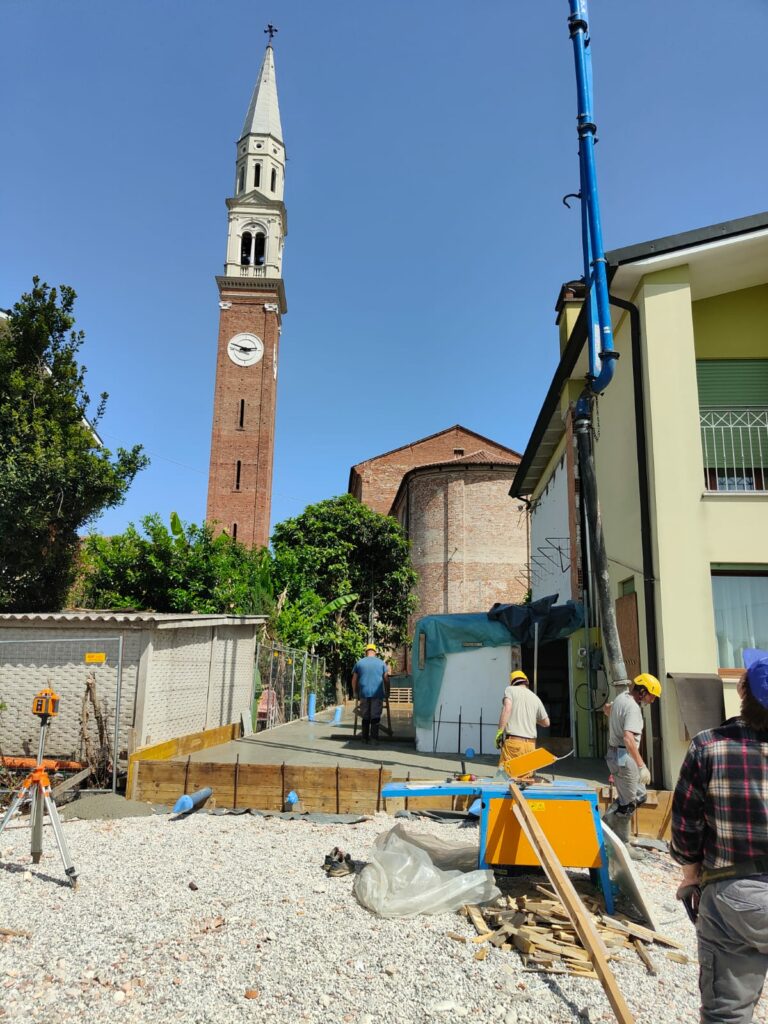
[323, 743]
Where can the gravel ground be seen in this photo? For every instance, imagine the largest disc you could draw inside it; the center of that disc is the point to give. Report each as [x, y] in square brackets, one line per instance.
[267, 936]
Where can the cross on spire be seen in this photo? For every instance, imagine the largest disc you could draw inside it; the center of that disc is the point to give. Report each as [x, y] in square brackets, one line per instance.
[270, 31]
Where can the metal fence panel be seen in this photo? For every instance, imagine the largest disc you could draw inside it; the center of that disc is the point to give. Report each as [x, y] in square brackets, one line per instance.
[283, 681]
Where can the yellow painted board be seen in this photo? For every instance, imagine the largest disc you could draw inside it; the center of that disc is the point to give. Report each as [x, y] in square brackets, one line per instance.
[569, 825]
[527, 763]
[95, 657]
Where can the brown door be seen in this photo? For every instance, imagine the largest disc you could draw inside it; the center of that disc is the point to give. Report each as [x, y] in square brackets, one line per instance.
[629, 635]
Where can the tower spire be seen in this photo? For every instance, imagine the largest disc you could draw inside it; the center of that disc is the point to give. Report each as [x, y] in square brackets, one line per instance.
[263, 117]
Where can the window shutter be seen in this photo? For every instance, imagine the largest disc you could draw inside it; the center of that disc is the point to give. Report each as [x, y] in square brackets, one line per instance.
[732, 383]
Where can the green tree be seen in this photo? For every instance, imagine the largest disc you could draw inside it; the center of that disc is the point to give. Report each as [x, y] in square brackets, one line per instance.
[334, 549]
[55, 476]
[181, 569]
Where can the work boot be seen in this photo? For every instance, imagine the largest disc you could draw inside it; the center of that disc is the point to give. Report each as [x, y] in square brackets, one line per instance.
[610, 815]
[621, 826]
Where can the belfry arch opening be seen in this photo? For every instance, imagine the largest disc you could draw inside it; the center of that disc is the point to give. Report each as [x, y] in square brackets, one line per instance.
[252, 249]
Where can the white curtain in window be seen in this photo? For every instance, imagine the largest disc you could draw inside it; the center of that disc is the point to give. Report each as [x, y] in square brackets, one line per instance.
[741, 616]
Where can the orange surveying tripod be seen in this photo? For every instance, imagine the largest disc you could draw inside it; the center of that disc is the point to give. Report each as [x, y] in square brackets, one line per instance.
[36, 790]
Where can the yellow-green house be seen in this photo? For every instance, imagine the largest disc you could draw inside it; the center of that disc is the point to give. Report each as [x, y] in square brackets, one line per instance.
[681, 453]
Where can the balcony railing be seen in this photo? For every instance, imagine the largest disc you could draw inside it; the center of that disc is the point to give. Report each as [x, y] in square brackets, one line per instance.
[735, 447]
[252, 271]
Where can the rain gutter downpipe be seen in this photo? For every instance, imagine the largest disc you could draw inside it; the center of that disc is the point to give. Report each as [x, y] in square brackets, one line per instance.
[646, 538]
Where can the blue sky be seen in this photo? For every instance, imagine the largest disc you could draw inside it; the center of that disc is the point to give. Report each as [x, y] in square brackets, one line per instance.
[429, 145]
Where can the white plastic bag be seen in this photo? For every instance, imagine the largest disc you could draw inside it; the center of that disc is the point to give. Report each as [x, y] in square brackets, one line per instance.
[402, 879]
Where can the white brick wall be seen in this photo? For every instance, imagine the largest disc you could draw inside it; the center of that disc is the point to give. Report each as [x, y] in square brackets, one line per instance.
[194, 678]
[45, 657]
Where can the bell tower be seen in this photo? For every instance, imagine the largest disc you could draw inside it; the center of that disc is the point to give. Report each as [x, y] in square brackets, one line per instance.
[251, 303]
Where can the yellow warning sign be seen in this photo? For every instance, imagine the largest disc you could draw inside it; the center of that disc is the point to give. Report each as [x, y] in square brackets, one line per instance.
[537, 805]
[95, 657]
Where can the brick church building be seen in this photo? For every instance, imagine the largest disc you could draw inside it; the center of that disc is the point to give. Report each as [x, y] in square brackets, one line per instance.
[450, 492]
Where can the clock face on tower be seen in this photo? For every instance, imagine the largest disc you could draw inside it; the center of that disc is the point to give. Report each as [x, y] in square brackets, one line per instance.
[245, 349]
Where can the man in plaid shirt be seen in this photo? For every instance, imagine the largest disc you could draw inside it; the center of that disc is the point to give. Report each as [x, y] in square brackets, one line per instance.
[720, 836]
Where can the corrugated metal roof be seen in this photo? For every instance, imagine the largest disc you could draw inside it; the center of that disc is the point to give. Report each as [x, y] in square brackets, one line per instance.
[162, 620]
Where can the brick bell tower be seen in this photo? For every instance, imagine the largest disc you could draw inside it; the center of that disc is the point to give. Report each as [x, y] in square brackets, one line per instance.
[252, 302]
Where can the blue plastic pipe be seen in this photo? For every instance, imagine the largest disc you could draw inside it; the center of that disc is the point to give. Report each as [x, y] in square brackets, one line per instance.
[191, 801]
[337, 716]
[601, 352]
[311, 707]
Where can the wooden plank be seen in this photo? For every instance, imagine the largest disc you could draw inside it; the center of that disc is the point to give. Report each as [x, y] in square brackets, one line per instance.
[477, 920]
[181, 745]
[71, 782]
[645, 956]
[637, 931]
[582, 922]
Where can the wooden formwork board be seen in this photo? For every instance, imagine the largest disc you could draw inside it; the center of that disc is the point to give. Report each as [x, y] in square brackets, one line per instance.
[179, 746]
[265, 787]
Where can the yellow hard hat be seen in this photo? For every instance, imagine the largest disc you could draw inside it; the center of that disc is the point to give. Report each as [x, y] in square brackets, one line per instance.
[649, 682]
[371, 647]
[518, 677]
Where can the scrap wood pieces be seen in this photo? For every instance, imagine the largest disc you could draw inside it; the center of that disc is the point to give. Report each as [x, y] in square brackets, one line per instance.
[12, 933]
[540, 930]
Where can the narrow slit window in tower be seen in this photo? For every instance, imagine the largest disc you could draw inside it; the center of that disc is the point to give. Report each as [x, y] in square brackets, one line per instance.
[245, 249]
[241, 414]
[234, 531]
[256, 174]
[273, 182]
[241, 179]
[259, 248]
[238, 473]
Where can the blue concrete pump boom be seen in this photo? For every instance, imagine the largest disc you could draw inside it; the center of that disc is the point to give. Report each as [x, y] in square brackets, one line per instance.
[602, 357]
[601, 353]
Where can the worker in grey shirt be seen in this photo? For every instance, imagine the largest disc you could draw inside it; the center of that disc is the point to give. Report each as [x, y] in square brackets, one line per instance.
[630, 774]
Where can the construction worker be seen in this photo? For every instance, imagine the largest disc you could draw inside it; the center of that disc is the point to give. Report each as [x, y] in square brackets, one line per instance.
[624, 760]
[521, 712]
[370, 687]
[720, 836]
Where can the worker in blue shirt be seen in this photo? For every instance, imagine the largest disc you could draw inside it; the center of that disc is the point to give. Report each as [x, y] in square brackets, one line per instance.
[370, 687]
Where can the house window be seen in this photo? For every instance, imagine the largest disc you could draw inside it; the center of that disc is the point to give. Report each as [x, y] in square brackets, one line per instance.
[241, 414]
[740, 601]
[245, 249]
[273, 180]
[238, 472]
[733, 416]
[256, 175]
[627, 586]
[259, 248]
[458, 452]
[241, 179]
[234, 531]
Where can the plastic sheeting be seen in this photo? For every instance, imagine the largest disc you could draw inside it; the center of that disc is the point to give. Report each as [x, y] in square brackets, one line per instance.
[409, 874]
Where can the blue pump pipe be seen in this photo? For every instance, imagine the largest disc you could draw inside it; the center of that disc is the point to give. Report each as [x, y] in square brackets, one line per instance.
[600, 343]
[602, 356]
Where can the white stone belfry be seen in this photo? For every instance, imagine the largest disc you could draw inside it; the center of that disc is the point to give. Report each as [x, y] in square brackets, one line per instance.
[257, 216]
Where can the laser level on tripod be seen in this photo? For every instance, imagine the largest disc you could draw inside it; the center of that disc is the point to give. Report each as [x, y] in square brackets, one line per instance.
[36, 790]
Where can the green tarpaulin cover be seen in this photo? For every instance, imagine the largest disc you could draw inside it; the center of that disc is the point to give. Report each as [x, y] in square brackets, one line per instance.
[444, 635]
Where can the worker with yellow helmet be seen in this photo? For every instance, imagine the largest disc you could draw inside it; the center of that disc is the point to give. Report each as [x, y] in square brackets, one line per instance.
[630, 774]
[521, 711]
[370, 687]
